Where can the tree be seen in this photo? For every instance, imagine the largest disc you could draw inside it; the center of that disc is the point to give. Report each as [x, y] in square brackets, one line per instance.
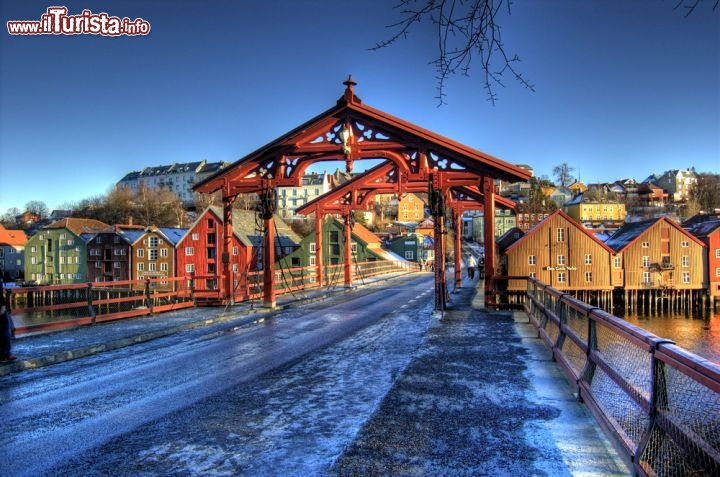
[562, 174]
[467, 31]
[8, 218]
[38, 207]
[705, 195]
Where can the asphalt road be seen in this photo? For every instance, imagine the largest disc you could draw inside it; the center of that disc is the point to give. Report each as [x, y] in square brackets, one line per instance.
[282, 397]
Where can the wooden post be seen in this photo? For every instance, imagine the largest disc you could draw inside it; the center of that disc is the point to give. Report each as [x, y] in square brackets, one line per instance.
[488, 186]
[347, 231]
[458, 248]
[319, 248]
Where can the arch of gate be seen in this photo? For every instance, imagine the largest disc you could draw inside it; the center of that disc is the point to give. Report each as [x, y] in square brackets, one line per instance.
[359, 194]
[348, 131]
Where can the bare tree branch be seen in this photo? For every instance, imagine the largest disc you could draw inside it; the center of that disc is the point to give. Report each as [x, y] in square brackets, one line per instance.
[691, 5]
[467, 31]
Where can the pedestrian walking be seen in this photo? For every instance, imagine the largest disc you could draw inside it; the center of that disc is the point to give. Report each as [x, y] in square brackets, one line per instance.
[7, 328]
[471, 265]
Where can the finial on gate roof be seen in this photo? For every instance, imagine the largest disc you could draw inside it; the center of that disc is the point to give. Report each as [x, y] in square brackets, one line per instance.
[349, 96]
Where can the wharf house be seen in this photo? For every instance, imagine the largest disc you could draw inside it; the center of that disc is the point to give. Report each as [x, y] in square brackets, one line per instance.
[595, 214]
[709, 233]
[110, 253]
[12, 254]
[562, 253]
[662, 265]
[153, 255]
[201, 251]
[414, 247]
[57, 254]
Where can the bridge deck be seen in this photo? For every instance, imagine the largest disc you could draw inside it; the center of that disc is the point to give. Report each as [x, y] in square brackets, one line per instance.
[481, 397]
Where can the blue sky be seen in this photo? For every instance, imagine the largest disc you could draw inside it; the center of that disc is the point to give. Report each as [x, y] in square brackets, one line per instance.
[622, 88]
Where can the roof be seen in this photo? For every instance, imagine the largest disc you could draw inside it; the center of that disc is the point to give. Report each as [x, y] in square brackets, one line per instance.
[79, 226]
[630, 232]
[12, 238]
[703, 230]
[350, 108]
[173, 234]
[508, 238]
[540, 225]
[697, 218]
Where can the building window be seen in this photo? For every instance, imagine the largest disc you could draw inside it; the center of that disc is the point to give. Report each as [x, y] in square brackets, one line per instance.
[684, 244]
[196, 236]
[532, 260]
[236, 251]
[409, 254]
[210, 223]
[141, 252]
[152, 254]
[312, 247]
[163, 252]
[561, 277]
[98, 264]
[164, 267]
[312, 260]
[561, 259]
[646, 245]
[588, 259]
[153, 242]
[560, 235]
[717, 272]
[685, 261]
[686, 277]
[189, 251]
[531, 274]
[116, 265]
[189, 267]
[717, 252]
[645, 261]
[588, 277]
[646, 278]
[141, 267]
[152, 267]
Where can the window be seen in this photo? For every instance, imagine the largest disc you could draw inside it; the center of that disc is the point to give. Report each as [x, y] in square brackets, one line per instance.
[588, 277]
[560, 235]
[686, 277]
[717, 272]
[196, 236]
[561, 259]
[561, 277]
[152, 254]
[164, 267]
[152, 267]
[163, 252]
[141, 252]
[235, 267]
[646, 278]
[189, 251]
[588, 259]
[409, 254]
[236, 251]
[312, 260]
[646, 245]
[532, 275]
[210, 238]
[684, 244]
[140, 267]
[94, 252]
[153, 242]
[98, 264]
[645, 261]
[210, 223]
[189, 267]
[312, 247]
[532, 260]
[116, 264]
[353, 247]
[717, 252]
[685, 261]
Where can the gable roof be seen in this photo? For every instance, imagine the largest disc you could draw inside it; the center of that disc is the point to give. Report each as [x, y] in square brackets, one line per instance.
[703, 230]
[540, 225]
[12, 238]
[630, 232]
[79, 226]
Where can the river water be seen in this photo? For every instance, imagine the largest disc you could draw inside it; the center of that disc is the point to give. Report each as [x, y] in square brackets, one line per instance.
[697, 332]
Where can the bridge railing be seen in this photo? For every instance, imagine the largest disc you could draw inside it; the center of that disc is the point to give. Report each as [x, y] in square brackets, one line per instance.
[56, 307]
[660, 402]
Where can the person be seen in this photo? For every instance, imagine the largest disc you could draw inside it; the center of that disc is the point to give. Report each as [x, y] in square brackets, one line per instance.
[7, 329]
[471, 264]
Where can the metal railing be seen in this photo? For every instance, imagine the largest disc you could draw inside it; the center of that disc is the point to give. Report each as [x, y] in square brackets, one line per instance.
[660, 402]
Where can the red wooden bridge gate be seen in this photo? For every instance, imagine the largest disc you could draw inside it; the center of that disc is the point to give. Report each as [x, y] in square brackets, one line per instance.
[415, 159]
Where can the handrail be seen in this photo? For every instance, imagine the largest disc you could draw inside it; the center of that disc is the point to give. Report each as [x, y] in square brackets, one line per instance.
[660, 402]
